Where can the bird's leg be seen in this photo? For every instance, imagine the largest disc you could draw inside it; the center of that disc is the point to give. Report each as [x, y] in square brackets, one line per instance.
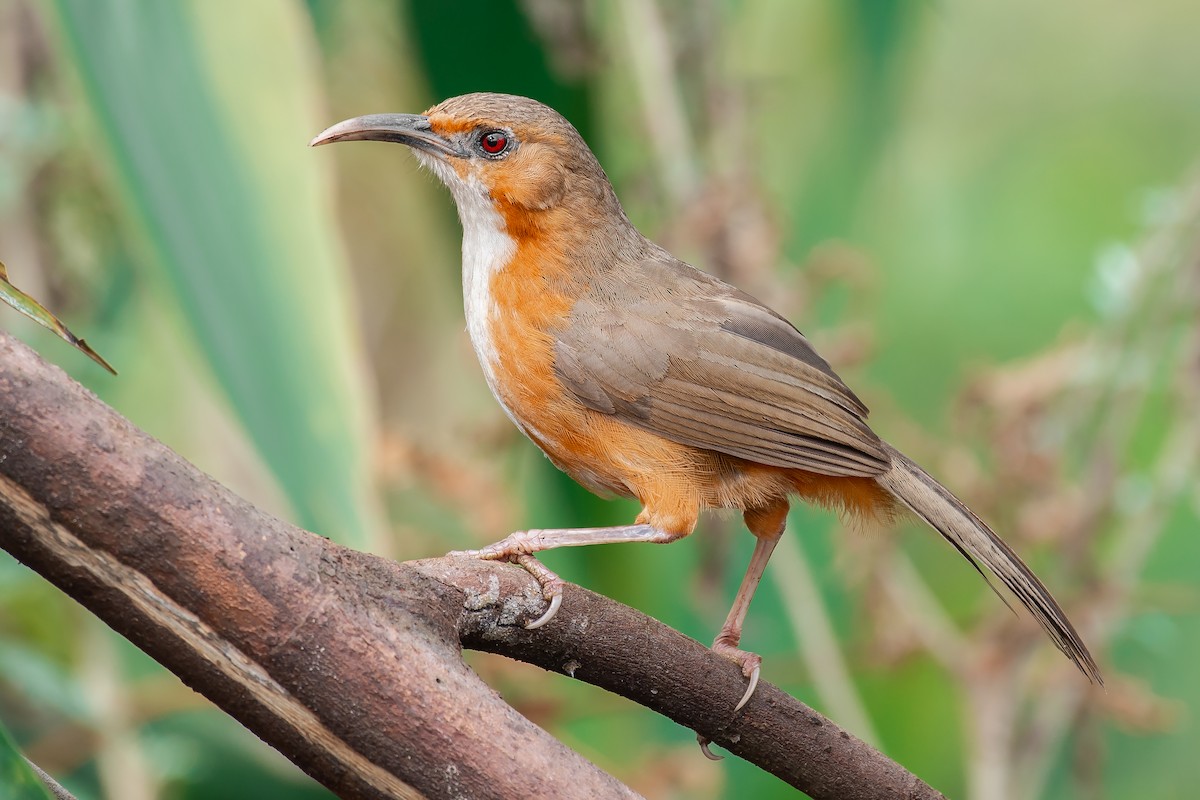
[519, 548]
[727, 640]
[767, 526]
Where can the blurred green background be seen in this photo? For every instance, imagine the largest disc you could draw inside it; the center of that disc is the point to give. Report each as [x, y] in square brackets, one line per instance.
[984, 214]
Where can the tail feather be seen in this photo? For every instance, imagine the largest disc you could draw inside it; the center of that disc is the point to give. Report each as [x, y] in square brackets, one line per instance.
[946, 514]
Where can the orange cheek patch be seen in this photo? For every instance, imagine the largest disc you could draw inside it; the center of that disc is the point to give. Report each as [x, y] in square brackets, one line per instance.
[532, 178]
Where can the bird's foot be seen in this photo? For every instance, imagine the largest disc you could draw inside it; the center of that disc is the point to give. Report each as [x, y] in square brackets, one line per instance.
[552, 588]
[517, 548]
[751, 664]
[520, 543]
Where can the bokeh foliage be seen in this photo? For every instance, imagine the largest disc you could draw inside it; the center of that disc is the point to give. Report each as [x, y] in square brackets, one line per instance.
[948, 197]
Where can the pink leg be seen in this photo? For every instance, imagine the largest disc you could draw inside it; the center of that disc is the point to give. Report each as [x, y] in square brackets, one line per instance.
[730, 636]
[766, 523]
[519, 548]
[767, 526]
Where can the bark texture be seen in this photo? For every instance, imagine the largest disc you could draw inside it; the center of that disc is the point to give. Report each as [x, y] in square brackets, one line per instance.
[348, 663]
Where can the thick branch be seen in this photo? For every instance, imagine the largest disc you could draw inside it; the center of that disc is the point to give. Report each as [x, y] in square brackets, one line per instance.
[347, 663]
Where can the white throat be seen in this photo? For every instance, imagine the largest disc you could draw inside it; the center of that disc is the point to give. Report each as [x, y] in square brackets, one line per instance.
[486, 249]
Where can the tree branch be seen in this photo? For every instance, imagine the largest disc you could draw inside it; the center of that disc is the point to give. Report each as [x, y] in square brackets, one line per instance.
[347, 663]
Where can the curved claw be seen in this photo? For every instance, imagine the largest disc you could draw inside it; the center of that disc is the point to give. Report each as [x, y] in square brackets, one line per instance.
[749, 689]
[515, 549]
[552, 587]
[555, 602]
[751, 664]
[704, 742]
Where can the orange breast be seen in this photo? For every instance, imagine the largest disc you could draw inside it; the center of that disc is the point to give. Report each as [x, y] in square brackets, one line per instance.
[532, 296]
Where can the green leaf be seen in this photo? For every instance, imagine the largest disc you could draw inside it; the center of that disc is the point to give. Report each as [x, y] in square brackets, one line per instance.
[17, 781]
[206, 126]
[38, 313]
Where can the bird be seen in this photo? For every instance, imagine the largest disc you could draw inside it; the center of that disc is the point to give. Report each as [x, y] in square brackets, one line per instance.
[643, 377]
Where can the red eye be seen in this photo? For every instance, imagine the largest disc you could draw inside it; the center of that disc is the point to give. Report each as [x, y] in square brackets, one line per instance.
[493, 142]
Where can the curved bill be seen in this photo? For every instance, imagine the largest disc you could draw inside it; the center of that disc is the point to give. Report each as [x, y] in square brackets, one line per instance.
[410, 129]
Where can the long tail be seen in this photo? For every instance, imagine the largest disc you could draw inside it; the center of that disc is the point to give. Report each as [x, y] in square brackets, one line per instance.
[946, 514]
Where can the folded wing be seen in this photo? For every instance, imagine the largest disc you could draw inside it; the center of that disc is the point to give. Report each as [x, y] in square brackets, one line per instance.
[696, 361]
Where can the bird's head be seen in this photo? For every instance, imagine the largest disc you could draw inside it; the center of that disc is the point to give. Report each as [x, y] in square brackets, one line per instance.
[511, 153]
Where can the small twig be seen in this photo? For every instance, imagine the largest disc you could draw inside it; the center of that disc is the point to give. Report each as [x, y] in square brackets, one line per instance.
[56, 788]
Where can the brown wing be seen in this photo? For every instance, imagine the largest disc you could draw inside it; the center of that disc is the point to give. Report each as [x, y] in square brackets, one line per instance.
[694, 360]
